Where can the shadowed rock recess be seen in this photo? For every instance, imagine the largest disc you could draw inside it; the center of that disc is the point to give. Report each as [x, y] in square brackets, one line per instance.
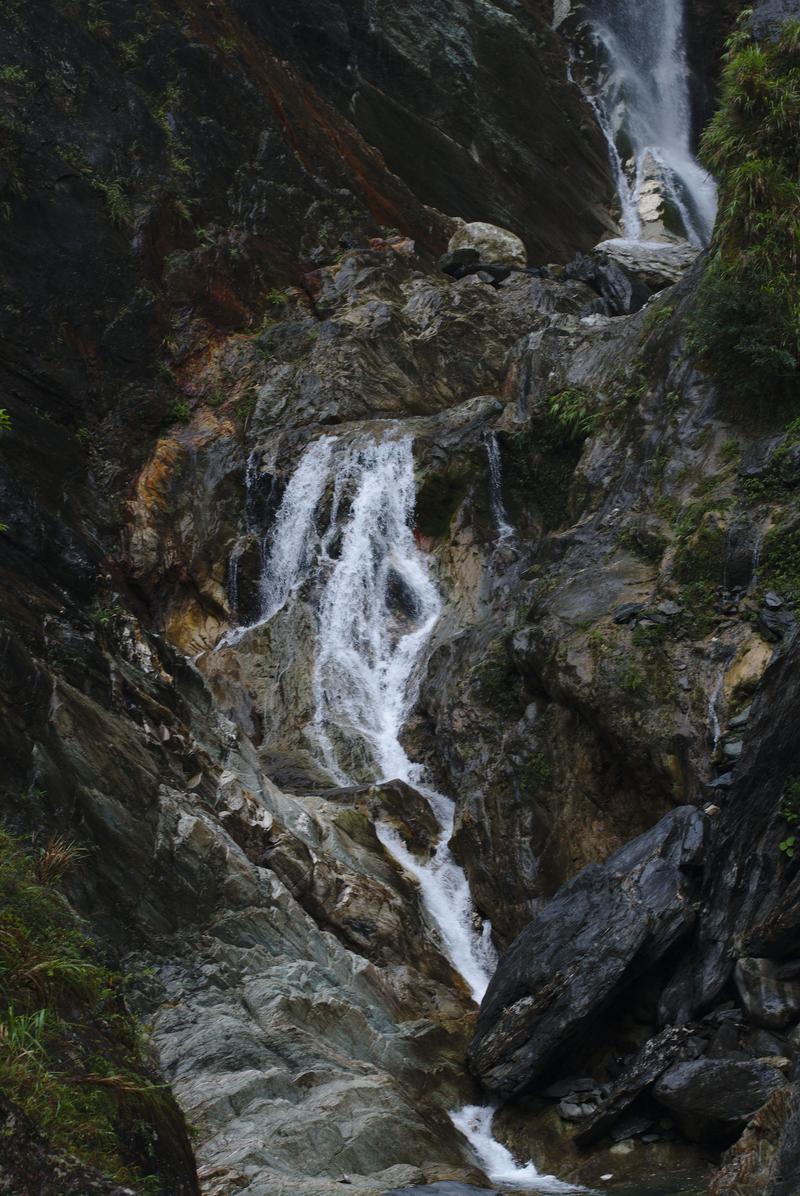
[302, 319]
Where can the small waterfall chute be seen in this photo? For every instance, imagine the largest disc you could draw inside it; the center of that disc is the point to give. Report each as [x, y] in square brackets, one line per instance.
[496, 502]
[642, 103]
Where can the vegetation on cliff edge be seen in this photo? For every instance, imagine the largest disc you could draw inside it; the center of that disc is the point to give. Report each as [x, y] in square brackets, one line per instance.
[745, 325]
[70, 1052]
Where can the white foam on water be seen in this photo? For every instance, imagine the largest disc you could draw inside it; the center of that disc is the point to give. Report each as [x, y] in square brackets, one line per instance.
[499, 512]
[642, 101]
[475, 1123]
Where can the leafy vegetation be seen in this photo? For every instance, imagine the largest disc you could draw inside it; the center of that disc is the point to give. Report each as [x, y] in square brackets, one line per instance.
[790, 812]
[571, 417]
[70, 1053]
[780, 560]
[745, 325]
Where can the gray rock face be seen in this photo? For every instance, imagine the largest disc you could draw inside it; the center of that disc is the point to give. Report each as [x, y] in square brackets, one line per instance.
[767, 998]
[713, 1099]
[599, 932]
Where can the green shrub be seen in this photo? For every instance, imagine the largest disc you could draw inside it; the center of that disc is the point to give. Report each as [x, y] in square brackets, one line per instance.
[70, 1053]
[745, 323]
[571, 418]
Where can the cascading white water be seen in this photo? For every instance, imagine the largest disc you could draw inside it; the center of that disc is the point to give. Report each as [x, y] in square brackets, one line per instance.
[496, 486]
[376, 608]
[643, 106]
[475, 1123]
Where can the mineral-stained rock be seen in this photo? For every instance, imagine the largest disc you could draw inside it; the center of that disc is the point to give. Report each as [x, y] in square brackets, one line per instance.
[713, 1099]
[600, 931]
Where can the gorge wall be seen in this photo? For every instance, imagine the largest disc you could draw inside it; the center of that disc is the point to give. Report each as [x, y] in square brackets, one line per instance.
[220, 235]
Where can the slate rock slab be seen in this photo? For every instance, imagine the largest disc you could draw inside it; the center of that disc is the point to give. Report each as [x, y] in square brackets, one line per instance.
[713, 1099]
[601, 930]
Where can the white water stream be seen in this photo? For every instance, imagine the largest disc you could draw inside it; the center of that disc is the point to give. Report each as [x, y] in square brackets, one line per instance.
[496, 486]
[643, 106]
[376, 607]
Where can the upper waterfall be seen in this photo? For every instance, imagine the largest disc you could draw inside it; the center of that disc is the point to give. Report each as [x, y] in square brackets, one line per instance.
[641, 97]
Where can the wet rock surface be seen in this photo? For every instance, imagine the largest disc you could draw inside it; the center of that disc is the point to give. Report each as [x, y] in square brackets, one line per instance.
[597, 935]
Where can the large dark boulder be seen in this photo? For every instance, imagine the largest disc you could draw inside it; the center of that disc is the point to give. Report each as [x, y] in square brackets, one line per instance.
[602, 930]
[713, 1099]
[619, 290]
[751, 897]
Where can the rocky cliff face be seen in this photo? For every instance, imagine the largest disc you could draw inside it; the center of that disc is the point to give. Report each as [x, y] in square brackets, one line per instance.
[223, 246]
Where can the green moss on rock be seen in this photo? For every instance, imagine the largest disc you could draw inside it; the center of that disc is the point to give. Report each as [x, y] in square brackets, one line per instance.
[71, 1054]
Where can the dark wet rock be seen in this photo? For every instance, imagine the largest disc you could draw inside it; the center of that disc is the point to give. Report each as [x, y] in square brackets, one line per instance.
[767, 999]
[759, 1044]
[768, 16]
[459, 142]
[772, 600]
[741, 548]
[751, 892]
[713, 1099]
[621, 292]
[29, 1165]
[774, 624]
[786, 1166]
[660, 1053]
[569, 1087]
[600, 931]
[459, 262]
[757, 457]
[630, 1126]
[789, 468]
[628, 612]
[741, 719]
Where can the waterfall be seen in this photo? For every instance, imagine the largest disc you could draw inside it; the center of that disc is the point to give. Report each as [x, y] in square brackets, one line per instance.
[496, 486]
[376, 606]
[642, 103]
[475, 1123]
